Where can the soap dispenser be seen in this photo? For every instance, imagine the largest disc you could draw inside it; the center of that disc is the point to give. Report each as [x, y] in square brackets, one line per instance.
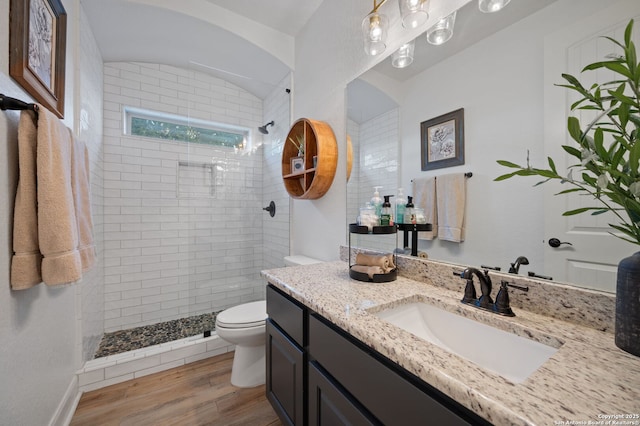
[386, 218]
[400, 206]
[376, 201]
[409, 213]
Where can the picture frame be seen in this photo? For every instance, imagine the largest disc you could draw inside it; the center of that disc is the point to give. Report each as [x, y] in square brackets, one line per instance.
[442, 141]
[297, 165]
[37, 50]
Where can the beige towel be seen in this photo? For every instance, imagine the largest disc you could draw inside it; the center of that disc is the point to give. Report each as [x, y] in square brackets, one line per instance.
[384, 261]
[369, 270]
[451, 192]
[25, 264]
[59, 225]
[424, 190]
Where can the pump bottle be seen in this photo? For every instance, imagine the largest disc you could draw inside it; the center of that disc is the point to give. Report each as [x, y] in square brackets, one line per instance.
[386, 218]
[400, 206]
[376, 201]
[409, 213]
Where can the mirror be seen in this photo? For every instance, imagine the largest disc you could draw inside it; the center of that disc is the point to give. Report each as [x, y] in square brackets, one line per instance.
[494, 68]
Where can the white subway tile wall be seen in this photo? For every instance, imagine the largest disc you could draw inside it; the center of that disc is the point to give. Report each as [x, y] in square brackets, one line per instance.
[169, 256]
[375, 150]
[90, 294]
[276, 229]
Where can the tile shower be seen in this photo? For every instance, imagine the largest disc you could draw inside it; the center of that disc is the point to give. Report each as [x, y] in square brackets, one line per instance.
[183, 223]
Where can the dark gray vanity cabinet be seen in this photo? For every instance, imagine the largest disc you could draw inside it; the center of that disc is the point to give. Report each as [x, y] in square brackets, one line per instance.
[286, 358]
[344, 382]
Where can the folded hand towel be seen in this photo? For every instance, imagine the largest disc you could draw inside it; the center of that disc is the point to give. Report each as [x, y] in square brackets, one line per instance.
[385, 262]
[369, 270]
[451, 197]
[424, 190]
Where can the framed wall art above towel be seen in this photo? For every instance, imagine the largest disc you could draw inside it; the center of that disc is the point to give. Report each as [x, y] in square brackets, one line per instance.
[37, 50]
[442, 141]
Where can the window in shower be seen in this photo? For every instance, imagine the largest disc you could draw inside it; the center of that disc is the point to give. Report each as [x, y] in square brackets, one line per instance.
[153, 124]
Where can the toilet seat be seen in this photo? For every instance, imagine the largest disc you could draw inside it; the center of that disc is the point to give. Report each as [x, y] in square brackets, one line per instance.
[247, 315]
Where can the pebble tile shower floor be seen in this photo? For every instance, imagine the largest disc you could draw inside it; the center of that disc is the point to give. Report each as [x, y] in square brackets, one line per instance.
[141, 337]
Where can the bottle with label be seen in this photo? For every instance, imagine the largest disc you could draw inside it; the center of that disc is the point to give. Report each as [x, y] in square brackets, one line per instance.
[400, 206]
[409, 213]
[386, 218]
[376, 201]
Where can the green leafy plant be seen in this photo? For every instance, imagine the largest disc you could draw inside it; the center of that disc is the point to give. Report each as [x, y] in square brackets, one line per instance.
[299, 143]
[608, 148]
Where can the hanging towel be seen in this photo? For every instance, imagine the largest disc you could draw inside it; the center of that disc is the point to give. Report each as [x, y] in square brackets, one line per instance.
[424, 196]
[451, 197]
[25, 264]
[58, 227]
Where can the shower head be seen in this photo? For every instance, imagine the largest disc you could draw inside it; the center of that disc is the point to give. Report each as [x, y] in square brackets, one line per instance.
[263, 129]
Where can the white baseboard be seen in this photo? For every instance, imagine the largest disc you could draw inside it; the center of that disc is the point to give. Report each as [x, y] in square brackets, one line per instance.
[67, 406]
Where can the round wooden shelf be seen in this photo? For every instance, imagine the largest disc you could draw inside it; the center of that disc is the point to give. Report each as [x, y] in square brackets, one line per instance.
[312, 181]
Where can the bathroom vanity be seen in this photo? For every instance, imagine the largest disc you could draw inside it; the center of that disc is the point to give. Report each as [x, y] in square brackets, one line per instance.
[331, 359]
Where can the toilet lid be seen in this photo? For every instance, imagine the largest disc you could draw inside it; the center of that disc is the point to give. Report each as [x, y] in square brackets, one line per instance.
[251, 314]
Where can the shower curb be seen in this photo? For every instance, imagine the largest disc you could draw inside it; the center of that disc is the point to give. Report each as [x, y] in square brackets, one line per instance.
[112, 369]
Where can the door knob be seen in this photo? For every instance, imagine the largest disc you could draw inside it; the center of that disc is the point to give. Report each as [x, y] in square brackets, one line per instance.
[555, 243]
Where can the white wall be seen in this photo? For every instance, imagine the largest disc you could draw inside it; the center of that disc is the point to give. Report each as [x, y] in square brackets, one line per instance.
[46, 331]
[499, 83]
[277, 108]
[169, 257]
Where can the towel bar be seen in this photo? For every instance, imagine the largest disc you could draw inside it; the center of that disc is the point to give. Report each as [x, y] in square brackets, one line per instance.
[467, 175]
[7, 102]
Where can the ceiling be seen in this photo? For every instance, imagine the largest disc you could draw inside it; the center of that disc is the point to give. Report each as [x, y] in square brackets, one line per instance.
[225, 38]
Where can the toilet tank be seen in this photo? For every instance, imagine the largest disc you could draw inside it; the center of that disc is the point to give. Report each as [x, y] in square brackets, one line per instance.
[299, 260]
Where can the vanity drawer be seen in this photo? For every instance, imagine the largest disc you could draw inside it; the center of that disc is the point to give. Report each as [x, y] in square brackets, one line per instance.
[287, 314]
[388, 393]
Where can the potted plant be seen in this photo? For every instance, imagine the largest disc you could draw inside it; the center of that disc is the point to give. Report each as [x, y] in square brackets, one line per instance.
[608, 156]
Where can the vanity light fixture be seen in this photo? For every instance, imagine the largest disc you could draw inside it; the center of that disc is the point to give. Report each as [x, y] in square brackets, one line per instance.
[414, 13]
[374, 30]
[490, 6]
[442, 31]
[403, 57]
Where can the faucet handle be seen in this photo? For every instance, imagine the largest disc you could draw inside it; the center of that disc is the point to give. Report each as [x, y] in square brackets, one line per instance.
[502, 300]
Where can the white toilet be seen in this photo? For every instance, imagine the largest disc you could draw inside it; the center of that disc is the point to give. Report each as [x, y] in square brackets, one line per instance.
[244, 326]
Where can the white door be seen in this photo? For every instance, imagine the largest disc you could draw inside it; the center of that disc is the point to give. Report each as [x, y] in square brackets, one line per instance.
[591, 259]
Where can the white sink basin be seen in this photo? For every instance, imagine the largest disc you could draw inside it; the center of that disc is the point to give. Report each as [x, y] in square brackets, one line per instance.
[513, 357]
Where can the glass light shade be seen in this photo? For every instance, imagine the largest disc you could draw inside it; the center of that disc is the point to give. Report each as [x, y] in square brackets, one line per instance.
[414, 12]
[403, 57]
[442, 31]
[374, 31]
[490, 6]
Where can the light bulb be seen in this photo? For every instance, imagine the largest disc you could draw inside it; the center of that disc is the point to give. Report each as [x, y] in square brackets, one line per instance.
[490, 6]
[442, 31]
[403, 57]
[413, 12]
[374, 32]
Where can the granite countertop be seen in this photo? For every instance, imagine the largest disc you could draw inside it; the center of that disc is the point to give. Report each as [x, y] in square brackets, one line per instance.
[587, 381]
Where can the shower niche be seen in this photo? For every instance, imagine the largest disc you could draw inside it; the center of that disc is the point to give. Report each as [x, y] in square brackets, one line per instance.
[309, 159]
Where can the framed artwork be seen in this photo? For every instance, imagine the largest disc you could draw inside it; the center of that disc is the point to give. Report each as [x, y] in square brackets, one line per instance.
[37, 50]
[297, 165]
[442, 141]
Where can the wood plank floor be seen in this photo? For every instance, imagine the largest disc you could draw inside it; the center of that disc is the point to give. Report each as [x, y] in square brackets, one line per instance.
[199, 393]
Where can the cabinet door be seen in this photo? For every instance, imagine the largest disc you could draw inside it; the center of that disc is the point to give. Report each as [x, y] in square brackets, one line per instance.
[285, 371]
[329, 406]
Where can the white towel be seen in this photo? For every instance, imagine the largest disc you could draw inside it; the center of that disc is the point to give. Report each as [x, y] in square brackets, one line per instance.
[451, 195]
[424, 190]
